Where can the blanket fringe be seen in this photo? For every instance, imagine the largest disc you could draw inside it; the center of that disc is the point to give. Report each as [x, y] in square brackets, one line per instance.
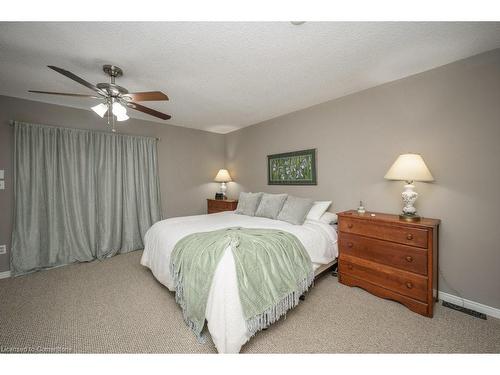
[275, 312]
[179, 298]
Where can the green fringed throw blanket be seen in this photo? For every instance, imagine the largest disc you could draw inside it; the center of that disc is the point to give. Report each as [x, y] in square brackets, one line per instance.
[272, 267]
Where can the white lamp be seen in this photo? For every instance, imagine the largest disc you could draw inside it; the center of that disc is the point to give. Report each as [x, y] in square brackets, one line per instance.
[120, 111]
[223, 177]
[100, 109]
[122, 117]
[409, 168]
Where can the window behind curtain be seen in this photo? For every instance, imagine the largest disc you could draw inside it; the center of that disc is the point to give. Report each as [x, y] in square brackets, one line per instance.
[80, 195]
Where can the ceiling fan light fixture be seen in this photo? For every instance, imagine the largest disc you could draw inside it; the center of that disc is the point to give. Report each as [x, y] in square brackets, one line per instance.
[100, 109]
[122, 117]
[119, 109]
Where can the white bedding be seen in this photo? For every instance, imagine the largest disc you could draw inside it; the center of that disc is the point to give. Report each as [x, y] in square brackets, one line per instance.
[224, 314]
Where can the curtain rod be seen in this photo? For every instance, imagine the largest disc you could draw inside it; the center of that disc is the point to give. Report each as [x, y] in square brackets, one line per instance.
[11, 123]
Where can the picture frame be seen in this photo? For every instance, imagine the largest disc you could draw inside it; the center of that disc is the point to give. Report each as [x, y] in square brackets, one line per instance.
[292, 168]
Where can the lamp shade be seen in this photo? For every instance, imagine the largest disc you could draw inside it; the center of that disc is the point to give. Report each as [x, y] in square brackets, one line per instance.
[122, 117]
[409, 167]
[100, 109]
[222, 176]
[119, 109]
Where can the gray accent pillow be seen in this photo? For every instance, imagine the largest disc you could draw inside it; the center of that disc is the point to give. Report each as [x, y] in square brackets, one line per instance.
[270, 205]
[248, 203]
[295, 210]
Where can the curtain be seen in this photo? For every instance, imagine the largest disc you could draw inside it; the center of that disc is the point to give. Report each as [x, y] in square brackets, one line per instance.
[80, 195]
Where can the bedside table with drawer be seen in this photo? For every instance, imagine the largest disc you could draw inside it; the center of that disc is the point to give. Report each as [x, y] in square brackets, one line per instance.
[219, 205]
[390, 258]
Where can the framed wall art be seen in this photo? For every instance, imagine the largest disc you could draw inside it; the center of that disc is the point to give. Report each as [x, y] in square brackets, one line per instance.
[292, 168]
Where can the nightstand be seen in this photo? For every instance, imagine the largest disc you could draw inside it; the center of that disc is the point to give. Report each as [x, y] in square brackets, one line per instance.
[219, 205]
[390, 258]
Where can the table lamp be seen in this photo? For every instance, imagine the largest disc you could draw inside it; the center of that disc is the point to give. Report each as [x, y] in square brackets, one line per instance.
[409, 168]
[223, 177]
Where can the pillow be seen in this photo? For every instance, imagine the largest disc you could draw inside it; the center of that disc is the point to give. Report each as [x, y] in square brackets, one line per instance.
[270, 205]
[295, 210]
[329, 218]
[248, 203]
[318, 209]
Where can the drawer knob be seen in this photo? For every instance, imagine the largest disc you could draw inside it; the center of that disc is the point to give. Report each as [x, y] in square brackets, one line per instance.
[349, 225]
[349, 266]
[409, 258]
[349, 244]
[409, 285]
[409, 236]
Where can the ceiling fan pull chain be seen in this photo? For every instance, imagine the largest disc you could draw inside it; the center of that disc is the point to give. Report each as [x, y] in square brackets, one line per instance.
[109, 109]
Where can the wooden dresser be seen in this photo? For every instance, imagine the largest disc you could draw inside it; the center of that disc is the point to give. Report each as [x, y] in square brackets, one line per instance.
[219, 205]
[390, 258]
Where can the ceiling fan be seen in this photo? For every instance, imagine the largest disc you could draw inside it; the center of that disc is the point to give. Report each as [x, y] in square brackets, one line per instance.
[114, 99]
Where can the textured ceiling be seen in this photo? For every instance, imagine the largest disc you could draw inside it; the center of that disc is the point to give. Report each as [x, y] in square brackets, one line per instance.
[224, 76]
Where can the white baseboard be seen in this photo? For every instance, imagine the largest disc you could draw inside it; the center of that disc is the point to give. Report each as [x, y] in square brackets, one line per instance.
[4, 275]
[476, 306]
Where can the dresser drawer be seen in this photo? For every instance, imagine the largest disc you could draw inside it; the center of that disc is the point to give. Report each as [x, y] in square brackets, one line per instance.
[404, 257]
[400, 234]
[405, 283]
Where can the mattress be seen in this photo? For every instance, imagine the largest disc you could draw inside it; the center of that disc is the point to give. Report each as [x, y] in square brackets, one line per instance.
[224, 314]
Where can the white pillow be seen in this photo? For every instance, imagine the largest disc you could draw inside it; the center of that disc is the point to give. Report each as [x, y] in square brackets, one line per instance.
[329, 218]
[318, 209]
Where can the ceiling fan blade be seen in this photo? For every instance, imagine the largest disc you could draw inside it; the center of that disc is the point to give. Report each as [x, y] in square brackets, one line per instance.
[65, 94]
[148, 111]
[145, 96]
[74, 77]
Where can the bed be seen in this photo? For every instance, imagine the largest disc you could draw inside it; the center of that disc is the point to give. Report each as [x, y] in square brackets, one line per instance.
[224, 314]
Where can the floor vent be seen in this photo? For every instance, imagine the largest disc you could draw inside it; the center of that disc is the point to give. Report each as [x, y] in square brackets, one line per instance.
[465, 310]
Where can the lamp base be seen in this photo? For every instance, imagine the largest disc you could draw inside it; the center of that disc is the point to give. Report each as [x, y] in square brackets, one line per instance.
[223, 189]
[409, 197]
[406, 217]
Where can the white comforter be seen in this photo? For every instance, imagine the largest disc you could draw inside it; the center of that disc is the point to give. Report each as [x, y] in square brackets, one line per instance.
[224, 313]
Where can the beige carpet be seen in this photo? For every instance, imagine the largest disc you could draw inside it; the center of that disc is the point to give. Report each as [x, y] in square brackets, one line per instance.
[117, 306]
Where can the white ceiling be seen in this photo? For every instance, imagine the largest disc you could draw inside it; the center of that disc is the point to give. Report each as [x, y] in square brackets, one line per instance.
[225, 76]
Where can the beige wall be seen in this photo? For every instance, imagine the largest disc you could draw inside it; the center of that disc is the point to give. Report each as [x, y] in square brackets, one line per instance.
[451, 115]
[188, 158]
